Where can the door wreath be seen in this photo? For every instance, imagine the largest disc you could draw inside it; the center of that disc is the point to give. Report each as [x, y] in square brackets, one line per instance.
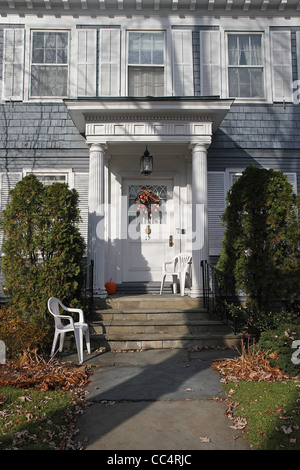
[147, 201]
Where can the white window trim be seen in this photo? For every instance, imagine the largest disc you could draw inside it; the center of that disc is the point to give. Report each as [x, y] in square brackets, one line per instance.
[266, 65]
[27, 64]
[70, 176]
[229, 173]
[127, 65]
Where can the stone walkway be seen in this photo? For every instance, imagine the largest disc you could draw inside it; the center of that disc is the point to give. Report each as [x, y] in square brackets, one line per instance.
[157, 400]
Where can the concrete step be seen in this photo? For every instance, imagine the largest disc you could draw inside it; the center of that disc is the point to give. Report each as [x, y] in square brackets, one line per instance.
[148, 301]
[151, 321]
[163, 341]
[146, 315]
[124, 327]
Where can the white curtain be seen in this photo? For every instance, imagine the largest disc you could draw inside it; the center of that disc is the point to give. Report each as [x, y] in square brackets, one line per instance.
[245, 66]
[244, 49]
[146, 81]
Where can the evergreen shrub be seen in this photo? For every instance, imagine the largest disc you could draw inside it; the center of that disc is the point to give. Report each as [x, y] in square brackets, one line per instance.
[260, 247]
[42, 248]
[280, 341]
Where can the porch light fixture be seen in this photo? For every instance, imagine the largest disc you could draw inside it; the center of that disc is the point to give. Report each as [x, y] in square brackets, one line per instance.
[146, 163]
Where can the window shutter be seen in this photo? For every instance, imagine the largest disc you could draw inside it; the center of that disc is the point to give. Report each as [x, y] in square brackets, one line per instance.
[281, 56]
[292, 179]
[296, 87]
[298, 53]
[87, 62]
[7, 182]
[81, 184]
[109, 66]
[13, 64]
[183, 82]
[210, 63]
[216, 207]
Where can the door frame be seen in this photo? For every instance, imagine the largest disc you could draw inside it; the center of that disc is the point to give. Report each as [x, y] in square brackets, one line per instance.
[170, 178]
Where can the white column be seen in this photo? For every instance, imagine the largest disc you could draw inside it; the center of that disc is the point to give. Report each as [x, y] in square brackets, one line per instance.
[96, 248]
[199, 215]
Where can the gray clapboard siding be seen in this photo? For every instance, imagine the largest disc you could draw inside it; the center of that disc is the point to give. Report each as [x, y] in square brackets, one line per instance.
[260, 126]
[12, 160]
[38, 126]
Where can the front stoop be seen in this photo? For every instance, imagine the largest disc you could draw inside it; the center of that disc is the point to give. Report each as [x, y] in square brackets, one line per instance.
[140, 322]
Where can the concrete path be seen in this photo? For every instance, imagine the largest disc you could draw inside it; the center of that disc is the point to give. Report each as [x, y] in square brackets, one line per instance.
[157, 400]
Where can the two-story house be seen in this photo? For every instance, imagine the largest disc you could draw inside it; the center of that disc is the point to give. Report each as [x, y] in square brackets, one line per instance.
[204, 87]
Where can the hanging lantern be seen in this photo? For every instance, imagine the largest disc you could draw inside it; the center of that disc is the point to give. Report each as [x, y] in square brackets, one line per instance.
[146, 163]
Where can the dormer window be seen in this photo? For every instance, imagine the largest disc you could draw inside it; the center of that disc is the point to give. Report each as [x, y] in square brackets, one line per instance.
[49, 64]
[146, 57]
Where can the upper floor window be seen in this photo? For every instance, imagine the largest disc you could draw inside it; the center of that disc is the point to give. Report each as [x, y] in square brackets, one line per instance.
[245, 66]
[49, 64]
[146, 51]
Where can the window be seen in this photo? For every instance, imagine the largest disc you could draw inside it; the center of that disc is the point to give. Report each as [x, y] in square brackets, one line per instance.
[47, 180]
[146, 64]
[245, 66]
[48, 176]
[231, 176]
[49, 63]
[158, 213]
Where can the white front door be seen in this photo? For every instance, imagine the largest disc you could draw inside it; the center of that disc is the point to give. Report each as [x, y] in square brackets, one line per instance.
[150, 230]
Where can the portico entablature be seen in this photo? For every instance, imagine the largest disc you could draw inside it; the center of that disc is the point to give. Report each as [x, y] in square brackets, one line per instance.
[153, 119]
[148, 129]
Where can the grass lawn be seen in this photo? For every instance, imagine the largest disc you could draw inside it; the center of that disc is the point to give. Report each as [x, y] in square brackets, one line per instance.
[36, 420]
[39, 404]
[272, 412]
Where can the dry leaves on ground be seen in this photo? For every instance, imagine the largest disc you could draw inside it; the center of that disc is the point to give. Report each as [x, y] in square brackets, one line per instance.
[37, 373]
[249, 366]
[42, 375]
[252, 366]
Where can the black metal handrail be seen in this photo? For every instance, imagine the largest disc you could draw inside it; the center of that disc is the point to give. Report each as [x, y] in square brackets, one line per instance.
[219, 294]
[88, 286]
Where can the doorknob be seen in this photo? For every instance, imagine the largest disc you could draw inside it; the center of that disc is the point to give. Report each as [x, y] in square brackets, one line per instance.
[171, 241]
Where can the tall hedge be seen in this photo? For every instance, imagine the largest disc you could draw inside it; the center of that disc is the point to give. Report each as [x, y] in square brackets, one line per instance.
[260, 248]
[43, 248]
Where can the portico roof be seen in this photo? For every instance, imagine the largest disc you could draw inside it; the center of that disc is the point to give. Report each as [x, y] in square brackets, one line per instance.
[104, 115]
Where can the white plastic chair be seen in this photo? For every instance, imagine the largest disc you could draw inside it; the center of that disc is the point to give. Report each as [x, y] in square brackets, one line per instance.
[79, 328]
[178, 267]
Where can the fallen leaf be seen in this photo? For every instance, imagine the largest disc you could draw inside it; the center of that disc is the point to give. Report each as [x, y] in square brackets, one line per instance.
[205, 439]
[239, 423]
[2, 399]
[25, 398]
[286, 430]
